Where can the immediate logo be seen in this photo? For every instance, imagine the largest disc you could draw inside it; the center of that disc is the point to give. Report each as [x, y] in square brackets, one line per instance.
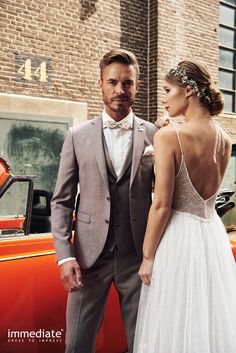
[40, 335]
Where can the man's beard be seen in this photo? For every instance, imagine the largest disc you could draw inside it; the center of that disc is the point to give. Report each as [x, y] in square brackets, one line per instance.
[120, 108]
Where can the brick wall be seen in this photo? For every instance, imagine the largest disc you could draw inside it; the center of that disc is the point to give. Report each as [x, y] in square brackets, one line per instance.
[186, 30]
[71, 36]
[189, 30]
[134, 35]
[152, 45]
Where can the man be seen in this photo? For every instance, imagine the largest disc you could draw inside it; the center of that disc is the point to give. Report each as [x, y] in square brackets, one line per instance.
[110, 157]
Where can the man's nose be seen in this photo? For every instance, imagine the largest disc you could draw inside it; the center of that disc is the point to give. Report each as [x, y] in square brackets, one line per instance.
[119, 89]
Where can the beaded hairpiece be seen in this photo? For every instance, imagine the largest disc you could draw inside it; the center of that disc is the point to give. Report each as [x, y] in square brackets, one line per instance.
[200, 92]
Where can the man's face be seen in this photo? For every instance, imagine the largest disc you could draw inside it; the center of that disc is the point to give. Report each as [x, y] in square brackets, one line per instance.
[119, 85]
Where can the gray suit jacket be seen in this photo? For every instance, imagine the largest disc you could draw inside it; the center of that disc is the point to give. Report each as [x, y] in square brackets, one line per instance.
[83, 163]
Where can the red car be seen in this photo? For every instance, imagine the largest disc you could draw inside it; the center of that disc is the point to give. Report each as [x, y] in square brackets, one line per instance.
[32, 299]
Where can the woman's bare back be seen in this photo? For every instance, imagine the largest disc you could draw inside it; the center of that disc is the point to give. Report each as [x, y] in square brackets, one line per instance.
[206, 150]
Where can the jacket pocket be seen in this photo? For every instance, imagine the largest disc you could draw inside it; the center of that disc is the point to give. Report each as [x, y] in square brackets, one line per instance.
[83, 217]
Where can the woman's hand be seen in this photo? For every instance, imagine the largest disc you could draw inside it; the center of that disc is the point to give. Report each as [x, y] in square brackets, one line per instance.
[163, 121]
[145, 271]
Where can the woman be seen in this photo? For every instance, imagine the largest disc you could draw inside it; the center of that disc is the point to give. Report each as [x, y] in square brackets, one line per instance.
[188, 299]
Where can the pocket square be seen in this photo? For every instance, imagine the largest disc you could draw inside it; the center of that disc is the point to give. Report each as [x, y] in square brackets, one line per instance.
[149, 151]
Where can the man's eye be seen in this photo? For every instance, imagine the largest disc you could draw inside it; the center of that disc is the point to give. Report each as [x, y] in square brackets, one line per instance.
[128, 83]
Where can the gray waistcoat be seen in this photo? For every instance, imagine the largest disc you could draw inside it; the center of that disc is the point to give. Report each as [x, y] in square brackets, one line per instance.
[119, 233]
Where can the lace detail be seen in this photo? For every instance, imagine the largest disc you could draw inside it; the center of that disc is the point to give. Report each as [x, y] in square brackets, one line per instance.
[186, 198]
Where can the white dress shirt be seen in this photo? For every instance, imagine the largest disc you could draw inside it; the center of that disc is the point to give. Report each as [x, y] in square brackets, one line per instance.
[118, 142]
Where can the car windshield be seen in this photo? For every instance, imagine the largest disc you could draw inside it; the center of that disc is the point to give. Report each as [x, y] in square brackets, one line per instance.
[13, 206]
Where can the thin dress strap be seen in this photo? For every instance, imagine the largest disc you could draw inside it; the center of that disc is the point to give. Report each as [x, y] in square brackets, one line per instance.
[219, 141]
[180, 145]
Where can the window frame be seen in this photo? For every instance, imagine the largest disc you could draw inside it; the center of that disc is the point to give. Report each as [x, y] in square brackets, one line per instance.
[227, 69]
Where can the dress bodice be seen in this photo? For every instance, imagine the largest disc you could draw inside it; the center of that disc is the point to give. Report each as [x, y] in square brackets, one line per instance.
[185, 197]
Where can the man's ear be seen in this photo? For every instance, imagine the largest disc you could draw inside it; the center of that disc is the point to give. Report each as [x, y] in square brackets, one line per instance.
[138, 84]
[100, 83]
[189, 92]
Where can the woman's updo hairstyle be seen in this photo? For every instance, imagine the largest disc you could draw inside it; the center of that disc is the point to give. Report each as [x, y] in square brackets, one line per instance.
[194, 75]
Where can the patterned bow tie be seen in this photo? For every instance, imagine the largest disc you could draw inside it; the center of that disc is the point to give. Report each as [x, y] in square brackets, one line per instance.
[127, 125]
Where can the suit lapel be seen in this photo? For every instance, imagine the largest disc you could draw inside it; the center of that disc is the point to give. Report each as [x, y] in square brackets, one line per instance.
[97, 143]
[138, 146]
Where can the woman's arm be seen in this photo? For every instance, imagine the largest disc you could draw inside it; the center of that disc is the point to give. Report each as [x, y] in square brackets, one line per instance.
[164, 143]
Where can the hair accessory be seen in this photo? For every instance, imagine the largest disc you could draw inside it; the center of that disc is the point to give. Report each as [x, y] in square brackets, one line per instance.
[200, 92]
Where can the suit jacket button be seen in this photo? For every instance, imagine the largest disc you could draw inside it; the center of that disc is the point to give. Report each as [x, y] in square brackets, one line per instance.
[107, 221]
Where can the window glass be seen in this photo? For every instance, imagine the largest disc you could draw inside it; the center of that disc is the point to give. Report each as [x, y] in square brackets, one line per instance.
[226, 79]
[226, 58]
[10, 205]
[227, 65]
[228, 102]
[33, 148]
[227, 37]
[227, 15]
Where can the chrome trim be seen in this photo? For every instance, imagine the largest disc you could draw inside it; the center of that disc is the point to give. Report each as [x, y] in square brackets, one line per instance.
[26, 256]
[33, 236]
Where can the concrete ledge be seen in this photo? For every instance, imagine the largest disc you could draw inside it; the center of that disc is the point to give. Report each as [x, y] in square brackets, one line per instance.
[35, 108]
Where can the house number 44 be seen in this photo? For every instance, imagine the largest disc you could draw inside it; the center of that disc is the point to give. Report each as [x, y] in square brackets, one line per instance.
[29, 73]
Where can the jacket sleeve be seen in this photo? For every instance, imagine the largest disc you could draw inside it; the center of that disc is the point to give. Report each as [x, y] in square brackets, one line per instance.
[63, 201]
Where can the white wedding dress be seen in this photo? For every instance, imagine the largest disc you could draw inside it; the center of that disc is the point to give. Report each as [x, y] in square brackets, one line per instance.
[190, 306]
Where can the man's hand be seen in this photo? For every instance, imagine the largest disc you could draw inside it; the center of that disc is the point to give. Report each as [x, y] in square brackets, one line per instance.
[71, 275]
[145, 271]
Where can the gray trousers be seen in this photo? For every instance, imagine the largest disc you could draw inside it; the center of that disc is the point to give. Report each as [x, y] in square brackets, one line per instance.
[85, 307]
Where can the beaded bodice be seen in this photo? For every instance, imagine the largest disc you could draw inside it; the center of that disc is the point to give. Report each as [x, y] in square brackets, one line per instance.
[185, 197]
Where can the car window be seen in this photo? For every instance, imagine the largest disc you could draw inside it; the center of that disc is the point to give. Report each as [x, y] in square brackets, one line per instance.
[13, 206]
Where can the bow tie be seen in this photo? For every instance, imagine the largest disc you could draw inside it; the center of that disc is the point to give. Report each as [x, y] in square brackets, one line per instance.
[127, 125]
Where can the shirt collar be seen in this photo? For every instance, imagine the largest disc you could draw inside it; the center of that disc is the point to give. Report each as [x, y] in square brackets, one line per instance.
[129, 118]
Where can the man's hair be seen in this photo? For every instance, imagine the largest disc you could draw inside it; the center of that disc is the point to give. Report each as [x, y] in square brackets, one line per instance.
[119, 56]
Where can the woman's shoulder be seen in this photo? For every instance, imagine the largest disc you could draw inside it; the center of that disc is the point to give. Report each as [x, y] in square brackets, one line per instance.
[166, 134]
[166, 131]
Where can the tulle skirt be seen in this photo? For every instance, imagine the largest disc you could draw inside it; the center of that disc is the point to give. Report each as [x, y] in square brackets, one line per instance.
[190, 306]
